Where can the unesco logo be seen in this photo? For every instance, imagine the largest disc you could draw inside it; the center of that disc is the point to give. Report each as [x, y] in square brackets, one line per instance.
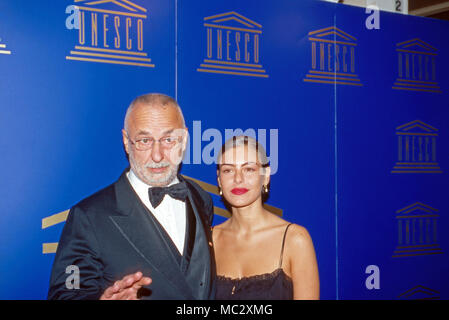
[332, 57]
[109, 32]
[232, 46]
[417, 67]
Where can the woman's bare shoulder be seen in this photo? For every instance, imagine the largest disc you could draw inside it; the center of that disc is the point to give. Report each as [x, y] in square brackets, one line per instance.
[298, 236]
[218, 229]
[221, 226]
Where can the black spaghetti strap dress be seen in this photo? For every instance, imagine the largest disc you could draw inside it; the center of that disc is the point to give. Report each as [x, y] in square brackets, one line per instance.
[268, 286]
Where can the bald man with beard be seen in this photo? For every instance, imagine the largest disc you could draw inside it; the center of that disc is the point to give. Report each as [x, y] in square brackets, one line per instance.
[147, 236]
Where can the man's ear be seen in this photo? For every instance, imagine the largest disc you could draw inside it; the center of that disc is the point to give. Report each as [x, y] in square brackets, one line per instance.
[184, 139]
[176, 155]
[125, 140]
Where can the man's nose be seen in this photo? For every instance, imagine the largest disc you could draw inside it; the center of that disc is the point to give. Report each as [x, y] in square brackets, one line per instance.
[156, 152]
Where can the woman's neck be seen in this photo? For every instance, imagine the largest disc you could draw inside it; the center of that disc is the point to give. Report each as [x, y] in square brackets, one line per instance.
[249, 218]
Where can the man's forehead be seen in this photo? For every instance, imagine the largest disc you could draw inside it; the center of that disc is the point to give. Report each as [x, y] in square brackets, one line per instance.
[155, 108]
[155, 118]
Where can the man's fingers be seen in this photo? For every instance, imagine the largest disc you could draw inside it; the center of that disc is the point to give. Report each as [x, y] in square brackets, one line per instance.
[128, 294]
[110, 291]
[129, 280]
[127, 287]
[145, 281]
[132, 279]
[136, 278]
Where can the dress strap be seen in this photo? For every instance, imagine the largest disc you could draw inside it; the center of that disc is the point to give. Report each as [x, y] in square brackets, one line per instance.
[283, 242]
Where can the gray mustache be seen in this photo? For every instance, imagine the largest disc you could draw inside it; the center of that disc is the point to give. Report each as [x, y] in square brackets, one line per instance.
[157, 165]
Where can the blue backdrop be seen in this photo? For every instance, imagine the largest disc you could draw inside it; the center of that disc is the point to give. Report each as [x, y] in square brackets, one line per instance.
[354, 120]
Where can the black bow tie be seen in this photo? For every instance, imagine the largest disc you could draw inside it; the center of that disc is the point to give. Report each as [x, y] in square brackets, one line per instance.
[176, 191]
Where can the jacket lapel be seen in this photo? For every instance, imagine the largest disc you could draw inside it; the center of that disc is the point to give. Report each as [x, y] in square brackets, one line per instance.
[201, 258]
[140, 230]
[189, 239]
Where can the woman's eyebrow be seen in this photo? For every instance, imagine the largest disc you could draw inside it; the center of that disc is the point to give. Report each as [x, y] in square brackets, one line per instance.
[232, 164]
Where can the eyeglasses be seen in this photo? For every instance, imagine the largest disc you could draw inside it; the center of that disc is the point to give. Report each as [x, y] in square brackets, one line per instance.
[146, 143]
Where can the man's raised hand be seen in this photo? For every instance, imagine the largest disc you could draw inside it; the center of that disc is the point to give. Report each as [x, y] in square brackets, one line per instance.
[126, 289]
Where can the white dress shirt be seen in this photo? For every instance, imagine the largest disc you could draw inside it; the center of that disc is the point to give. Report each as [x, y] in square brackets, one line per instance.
[171, 213]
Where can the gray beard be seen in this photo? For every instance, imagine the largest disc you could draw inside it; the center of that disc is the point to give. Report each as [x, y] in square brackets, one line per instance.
[163, 181]
[152, 181]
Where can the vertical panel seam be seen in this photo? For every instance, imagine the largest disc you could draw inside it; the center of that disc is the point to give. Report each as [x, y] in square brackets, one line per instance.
[336, 171]
[176, 50]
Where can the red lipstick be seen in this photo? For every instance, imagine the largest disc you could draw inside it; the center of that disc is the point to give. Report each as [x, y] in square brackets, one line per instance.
[239, 191]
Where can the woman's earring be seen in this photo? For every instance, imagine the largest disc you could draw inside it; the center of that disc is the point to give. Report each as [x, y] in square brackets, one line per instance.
[265, 188]
[220, 192]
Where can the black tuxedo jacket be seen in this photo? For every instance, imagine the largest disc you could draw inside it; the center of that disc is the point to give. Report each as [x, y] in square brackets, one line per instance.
[111, 234]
